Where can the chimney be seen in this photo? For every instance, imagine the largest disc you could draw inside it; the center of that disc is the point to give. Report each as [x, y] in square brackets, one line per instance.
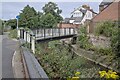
[101, 7]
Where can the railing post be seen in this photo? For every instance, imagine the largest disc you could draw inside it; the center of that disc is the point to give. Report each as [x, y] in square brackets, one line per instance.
[18, 33]
[30, 40]
[73, 30]
[69, 31]
[44, 33]
[33, 43]
[23, 33]
[59, 31]
[52, 32]
[26, 37]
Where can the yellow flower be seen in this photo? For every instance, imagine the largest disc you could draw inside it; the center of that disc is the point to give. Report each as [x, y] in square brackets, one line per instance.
[107, 76]
[114, 76]
[102, 73]
[110, 71]
[77, 73]
[114, 73]
[75, 78]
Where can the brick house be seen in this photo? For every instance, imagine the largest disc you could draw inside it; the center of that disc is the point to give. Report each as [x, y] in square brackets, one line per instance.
[109, 11]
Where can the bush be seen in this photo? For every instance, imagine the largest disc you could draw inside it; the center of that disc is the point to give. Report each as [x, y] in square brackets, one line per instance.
[104, 28]
[13, 34]
[58, 63]
[83, 39]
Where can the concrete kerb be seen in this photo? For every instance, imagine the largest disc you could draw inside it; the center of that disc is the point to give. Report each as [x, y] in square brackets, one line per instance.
[34, 69]
[13, 64]
[19, 69]
[25, 67]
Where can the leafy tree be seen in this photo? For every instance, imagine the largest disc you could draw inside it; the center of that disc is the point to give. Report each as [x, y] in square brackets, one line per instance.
[12, 23]
[28, 17]
[1, 26]
[48, 21]
[54, 10]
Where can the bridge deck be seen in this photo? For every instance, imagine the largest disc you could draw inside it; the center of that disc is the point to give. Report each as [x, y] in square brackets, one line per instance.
[54, 33]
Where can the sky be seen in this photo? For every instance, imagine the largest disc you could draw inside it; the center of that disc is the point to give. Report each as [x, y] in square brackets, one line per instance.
[11, 9]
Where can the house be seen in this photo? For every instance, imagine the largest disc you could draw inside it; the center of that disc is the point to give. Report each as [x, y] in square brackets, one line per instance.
[109, 11]
[78, 17]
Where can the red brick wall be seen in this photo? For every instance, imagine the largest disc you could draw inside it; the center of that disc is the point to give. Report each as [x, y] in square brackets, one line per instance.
[68, 25]
[110, 13]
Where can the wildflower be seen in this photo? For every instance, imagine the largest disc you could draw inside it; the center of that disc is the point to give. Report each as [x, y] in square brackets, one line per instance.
[75, 78]
[114, 76]
[108, 75]
[102, 73]
[77, 73]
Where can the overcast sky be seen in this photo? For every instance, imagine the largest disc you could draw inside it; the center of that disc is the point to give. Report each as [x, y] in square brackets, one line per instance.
[11, 9]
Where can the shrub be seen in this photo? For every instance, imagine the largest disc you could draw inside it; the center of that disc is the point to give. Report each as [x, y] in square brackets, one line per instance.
[13, 34]
[104, 28]
[83, 39]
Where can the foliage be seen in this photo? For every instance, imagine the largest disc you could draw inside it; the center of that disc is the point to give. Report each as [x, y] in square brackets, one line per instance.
[76, 77]
[104, 28]
[28, 17]
[83, 39]
[104, 51]
[108, 75]
[13, 33]
[32, 19]
[57, 62]
[12, 23]
[52, 8]
[1, 27]
[48, 21]
[110, 29]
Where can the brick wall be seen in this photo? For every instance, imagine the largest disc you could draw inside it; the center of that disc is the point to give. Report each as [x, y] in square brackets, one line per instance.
[68, 25]
[111, 13]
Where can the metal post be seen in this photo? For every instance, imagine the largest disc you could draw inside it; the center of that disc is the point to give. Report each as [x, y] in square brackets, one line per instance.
[33, 43]
[59, 31]
[30, 40]
[17, 23]
[73, 30]
[65, 31]
[44, 33]
[52, 32]
[69, 31]
[26, 36]
[20, 33]
[23, 34]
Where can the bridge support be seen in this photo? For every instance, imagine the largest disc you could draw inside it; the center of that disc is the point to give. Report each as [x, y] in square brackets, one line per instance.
[74, 40]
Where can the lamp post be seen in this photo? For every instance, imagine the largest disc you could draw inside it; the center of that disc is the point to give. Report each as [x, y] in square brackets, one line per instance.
[18, 32]
[17, 17]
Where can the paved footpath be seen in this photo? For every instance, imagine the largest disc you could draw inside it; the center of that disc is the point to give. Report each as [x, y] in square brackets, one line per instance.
[8, 48]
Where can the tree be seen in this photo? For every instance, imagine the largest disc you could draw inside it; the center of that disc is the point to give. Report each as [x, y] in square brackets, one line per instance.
[54, 10]
[28, 17]
[48, 21]
[1, 27]
[12, 23]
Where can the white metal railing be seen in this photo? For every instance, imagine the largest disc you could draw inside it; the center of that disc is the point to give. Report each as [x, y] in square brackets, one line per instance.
[31, 36]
